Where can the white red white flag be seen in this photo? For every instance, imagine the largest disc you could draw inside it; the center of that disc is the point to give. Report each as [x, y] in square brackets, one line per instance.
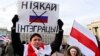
[84, 39]
[5, 38]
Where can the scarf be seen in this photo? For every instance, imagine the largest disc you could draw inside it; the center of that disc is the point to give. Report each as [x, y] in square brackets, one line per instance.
[32, 51]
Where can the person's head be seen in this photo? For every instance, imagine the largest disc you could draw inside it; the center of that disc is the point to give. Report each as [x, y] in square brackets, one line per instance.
[36, 40]
[73, 51]
[23, 42]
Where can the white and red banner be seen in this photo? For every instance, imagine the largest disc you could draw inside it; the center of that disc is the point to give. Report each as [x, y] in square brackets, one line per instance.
[5, 38]
[84, 39]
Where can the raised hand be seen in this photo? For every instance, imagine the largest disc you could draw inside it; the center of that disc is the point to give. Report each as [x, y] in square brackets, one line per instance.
[60, 24]
[14, 20]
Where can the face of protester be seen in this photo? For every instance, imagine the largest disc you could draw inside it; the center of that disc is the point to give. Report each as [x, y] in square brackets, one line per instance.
[73, 52]
[36, 41]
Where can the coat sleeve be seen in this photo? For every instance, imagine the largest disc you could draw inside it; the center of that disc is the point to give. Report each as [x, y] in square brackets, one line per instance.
[55, 45]
[17, 46]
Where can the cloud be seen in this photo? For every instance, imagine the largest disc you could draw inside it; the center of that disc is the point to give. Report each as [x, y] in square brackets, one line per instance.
[7, 15]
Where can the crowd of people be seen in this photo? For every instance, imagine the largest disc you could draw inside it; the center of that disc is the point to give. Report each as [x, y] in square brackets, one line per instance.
[34, 46]
[67, 51]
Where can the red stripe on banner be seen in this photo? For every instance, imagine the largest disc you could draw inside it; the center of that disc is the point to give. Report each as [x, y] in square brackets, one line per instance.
[84, 40]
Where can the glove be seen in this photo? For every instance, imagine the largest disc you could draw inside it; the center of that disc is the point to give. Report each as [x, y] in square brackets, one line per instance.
[60, 24]
[14, 20]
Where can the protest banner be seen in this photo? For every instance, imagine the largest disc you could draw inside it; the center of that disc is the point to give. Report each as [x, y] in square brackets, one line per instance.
[35, 16]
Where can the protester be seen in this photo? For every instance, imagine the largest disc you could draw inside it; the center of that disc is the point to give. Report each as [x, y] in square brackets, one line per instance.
[73, 51]
[3, 50]
[9, 50]
[34, 48]
[1, 47]
[3, 44]
[58, 54]
[0, 51]
[64, 48]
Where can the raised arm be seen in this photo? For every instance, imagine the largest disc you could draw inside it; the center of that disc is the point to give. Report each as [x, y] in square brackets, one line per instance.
[55, 45]
[17, 46]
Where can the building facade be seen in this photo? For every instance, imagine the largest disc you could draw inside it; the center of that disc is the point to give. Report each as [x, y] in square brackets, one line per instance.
[3, 31]
[95, 28]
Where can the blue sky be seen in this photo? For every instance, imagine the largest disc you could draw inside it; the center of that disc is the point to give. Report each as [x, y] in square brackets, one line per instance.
[83, 11]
